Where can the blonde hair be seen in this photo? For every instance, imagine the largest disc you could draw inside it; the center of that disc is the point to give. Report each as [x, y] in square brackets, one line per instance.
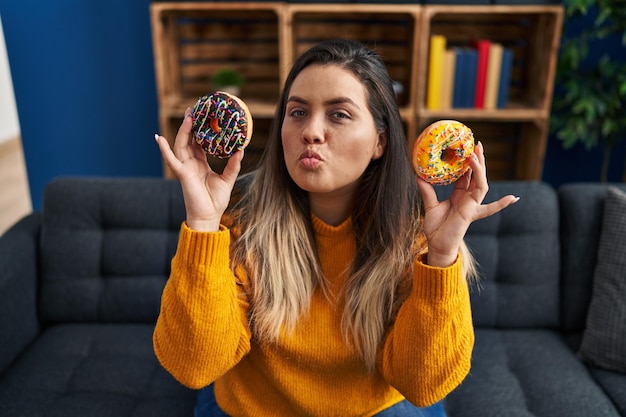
[277, 244]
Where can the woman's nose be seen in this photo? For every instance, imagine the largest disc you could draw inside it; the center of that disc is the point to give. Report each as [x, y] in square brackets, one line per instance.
[314, 130]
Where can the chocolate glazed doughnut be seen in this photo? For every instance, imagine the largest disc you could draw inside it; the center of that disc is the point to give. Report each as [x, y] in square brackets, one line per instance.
[222, 124]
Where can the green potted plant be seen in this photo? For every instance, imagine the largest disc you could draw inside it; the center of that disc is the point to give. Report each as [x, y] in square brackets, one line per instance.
[589, 104]
[228, 80]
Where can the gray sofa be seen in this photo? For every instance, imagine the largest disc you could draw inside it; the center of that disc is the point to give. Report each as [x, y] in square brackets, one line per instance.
[80, 286]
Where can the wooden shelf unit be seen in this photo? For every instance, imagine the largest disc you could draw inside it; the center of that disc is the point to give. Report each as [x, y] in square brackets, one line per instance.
[192, 40]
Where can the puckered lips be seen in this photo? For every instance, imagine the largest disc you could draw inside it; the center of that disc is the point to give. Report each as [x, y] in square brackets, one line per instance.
[310, 159]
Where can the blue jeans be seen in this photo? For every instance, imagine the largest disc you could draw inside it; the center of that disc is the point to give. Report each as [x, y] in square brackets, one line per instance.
[206, 406]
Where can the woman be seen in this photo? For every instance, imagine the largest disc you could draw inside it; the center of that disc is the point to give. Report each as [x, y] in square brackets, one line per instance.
[332, 283]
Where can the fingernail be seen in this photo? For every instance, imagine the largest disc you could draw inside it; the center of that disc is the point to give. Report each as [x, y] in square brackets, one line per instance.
[187, 112]
[516, 199]
[156, 136]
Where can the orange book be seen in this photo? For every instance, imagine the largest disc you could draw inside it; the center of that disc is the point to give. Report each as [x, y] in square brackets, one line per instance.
[435, 71]
[482, 46]
[493, 75]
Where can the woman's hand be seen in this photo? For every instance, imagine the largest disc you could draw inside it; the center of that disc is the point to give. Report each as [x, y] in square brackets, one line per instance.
[206, 193]
[446, 222]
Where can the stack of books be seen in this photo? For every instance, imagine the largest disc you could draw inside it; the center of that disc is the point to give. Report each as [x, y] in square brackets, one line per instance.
[476, 76]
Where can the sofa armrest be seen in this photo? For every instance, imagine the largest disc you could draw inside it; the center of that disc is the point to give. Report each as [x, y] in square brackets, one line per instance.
[18, 287]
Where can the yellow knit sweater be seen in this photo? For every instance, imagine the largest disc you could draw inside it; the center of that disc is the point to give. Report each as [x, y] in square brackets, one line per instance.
[202, 336]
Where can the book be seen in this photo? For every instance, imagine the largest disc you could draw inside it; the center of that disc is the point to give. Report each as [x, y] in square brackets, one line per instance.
[482, 47]
[464, 78]
[459, 81]
[492, 82]
[506, 68]
[435, 71]
[472, 71]
[447, 83]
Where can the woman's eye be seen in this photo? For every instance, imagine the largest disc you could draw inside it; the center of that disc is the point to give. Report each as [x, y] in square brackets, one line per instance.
[340, 115]
[297, 113]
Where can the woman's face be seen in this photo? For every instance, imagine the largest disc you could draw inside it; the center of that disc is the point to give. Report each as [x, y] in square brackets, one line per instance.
[328, 134]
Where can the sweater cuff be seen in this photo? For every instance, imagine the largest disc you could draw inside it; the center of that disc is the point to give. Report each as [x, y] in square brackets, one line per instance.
[438, 283]
[203, 248]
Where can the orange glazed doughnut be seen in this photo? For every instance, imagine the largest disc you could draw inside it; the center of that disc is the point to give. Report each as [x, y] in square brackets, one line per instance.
[222, 124]
[440, 152]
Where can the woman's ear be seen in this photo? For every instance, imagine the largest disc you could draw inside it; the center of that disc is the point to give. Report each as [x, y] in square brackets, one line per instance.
[381, 145]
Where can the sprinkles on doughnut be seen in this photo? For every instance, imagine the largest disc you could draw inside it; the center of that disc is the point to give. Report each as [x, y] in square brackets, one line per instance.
[222, 124]
[440, 152]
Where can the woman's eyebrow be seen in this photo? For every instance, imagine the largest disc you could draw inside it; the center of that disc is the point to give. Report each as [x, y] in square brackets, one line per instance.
[297, 100]
[341, 100]
[336, 100]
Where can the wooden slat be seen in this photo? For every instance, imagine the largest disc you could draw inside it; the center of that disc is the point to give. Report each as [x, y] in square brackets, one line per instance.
[390, 53]
[266, 91]
[382, 31]
[252, 69]
[229, 29]
[208, 51]
[461, 32]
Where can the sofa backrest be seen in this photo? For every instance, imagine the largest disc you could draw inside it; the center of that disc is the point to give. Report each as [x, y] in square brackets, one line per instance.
[106, 246]
[517, 251]
[581, 206]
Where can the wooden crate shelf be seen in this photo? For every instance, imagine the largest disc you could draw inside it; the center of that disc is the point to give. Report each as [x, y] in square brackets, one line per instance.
[532, 32]
[192, 40]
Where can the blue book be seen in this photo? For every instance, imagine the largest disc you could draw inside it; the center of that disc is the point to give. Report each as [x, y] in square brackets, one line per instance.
[470, 78]
[464, 78]
[459, 81]
[505, 78]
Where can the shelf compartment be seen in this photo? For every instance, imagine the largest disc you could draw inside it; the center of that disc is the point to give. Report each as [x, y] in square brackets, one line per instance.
[198, 40]
[514, 150]
[390, 32]
[532, 32]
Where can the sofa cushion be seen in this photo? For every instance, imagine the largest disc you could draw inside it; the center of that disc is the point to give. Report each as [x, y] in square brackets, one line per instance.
[527, 373]
[19, 324]
[604, 339]
[95, 370]
[517, 251]
[581, 207]
[614, 384]
[104, 253]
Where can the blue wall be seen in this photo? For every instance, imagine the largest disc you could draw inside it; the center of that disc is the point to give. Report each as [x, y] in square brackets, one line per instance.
[84, 86]
[86, 96]
[578, 163]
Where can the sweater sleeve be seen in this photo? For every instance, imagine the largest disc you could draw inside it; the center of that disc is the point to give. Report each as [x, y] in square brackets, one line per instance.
[427, 351]
[202, 329]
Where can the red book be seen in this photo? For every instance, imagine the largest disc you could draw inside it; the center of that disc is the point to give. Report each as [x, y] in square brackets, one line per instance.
[482, 47]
